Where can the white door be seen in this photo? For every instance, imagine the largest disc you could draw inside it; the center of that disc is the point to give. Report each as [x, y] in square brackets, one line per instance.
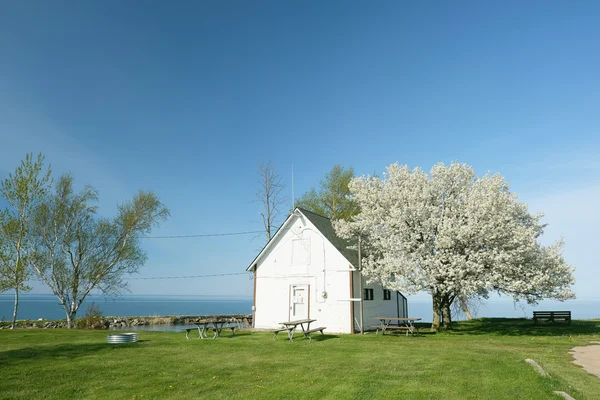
[299, 302]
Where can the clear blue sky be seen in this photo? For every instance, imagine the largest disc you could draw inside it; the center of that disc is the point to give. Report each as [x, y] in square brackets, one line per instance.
[186, 98]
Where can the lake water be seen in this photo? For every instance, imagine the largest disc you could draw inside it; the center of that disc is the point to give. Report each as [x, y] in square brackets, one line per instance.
[34, 306]
[580, 309]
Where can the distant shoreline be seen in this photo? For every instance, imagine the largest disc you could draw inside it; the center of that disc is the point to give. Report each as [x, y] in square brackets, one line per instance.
[111, 322]
[33, 307]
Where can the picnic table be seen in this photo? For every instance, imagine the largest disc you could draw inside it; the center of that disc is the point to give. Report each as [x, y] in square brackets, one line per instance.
[204, 325]
[290, 328]
[403, 324]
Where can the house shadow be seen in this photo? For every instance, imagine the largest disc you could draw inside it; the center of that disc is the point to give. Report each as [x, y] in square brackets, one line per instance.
[70, 351]
[524, 327]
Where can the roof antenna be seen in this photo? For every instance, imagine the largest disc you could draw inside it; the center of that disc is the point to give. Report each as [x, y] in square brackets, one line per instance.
[293, 199]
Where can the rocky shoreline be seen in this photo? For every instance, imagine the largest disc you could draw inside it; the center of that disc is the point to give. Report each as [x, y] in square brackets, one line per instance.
[244, 320]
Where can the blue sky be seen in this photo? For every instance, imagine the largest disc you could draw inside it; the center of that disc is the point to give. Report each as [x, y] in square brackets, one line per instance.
[186, 98]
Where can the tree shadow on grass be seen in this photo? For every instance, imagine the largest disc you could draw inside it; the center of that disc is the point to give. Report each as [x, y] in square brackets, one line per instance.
[525, 327]
[61, 351]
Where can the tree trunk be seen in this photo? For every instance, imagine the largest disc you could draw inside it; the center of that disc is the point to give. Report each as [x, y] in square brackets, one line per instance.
[71, 314]
[465, 308]
[14, 318]
[435, 325]
[69, 320]
[447, 314]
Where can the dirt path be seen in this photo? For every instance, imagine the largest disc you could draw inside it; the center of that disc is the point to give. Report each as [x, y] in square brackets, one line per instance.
[588, 357]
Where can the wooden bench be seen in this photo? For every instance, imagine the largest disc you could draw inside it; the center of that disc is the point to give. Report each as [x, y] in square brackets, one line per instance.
[233, 328]
[188, 330]
[407, 329]
[552, 316]
[276, 331]
[313, 330]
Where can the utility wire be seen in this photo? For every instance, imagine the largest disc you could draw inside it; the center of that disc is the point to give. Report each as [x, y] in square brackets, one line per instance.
[192, 276]
[202, 235]
[37, 279]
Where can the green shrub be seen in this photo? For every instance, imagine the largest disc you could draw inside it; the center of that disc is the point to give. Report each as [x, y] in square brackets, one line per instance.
[92, 318]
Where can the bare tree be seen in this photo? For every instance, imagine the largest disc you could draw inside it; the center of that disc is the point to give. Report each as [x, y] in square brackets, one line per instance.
[269, 195]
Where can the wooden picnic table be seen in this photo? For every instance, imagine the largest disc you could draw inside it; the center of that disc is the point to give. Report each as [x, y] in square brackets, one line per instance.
[204, 325]
[403, 324]
[290, 327]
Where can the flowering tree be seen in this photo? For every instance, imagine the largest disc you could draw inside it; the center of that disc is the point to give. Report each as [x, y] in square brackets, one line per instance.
[453, 235]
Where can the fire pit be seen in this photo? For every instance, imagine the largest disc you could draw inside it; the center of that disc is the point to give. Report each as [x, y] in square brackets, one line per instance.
[123, 338]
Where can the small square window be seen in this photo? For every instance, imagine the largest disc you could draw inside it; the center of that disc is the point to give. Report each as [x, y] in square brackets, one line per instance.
[368, 294]
[387, 294]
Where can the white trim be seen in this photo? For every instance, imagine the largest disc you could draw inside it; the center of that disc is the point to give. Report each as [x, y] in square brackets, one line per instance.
[283, 227]
[273, 239]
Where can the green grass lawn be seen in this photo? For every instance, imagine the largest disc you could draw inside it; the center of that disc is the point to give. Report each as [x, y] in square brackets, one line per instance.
[482, 359]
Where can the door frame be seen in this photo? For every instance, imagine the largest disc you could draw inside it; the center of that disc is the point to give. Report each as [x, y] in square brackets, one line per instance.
[290, 304]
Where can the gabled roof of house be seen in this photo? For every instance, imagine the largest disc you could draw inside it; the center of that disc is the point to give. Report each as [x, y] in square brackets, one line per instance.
[324, 225]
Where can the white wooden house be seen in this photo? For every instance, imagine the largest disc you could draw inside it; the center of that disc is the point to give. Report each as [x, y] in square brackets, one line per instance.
[307, 271]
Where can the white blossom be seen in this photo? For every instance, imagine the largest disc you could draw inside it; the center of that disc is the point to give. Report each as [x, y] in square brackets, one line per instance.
[452, 233]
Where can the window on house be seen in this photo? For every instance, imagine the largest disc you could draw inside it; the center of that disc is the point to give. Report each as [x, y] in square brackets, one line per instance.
[387, 294]
[301, 251]
[368, 294]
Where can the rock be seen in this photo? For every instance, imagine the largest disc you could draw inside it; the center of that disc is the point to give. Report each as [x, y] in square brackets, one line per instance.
[563, 394]
[536, 366]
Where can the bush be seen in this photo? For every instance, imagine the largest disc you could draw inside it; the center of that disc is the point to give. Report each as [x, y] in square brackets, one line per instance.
[92, 318]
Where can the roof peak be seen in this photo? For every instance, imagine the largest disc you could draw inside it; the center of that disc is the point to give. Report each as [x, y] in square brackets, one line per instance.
[304, 210]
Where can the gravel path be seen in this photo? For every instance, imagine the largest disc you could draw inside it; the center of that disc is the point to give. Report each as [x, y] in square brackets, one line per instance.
[588, 357]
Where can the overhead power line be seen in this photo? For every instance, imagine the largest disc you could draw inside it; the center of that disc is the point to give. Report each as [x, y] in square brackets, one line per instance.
[38, 279]
[201, 235]
[191, 276]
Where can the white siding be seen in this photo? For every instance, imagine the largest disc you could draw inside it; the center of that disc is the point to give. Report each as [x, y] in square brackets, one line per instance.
[282, 267]
[301, 255]
[378, 307]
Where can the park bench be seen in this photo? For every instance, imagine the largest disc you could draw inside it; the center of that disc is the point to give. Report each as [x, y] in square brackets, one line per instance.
[188, 330]
[408, 329]
[552, 316]
[313, 330]
[290, 328]
[233, 328]
[276, 331]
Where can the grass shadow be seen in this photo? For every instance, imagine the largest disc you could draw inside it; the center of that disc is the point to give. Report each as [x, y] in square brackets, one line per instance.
[302, 338]
[524, 327]
[62, 351]
[322, 338]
